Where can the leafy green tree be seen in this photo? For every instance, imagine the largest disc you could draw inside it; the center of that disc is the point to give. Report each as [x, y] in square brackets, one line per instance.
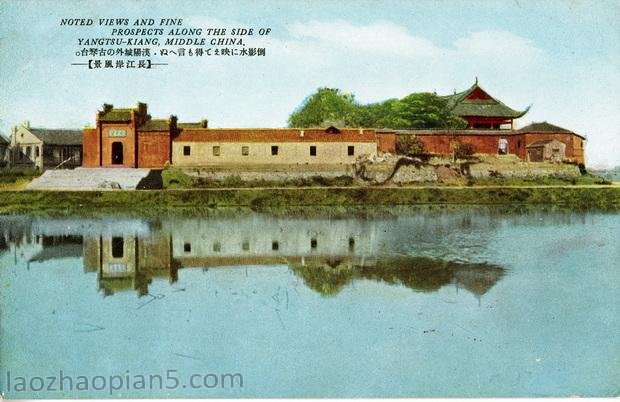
[326, 105]
[414, 111]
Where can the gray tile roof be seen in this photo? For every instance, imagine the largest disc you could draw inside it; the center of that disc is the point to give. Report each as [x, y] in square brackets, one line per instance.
[59, 136]
[461, 106]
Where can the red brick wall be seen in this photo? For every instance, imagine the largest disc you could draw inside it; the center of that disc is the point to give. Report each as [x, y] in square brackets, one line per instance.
[484, 144]
[386, 142]
[128, 142]
[90, 146]
[153, 149]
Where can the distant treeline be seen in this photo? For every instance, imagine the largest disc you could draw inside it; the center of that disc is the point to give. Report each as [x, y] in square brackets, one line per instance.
[331, 106]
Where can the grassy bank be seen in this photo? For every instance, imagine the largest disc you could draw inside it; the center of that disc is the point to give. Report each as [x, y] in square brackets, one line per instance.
[603, 197]
[16, 178]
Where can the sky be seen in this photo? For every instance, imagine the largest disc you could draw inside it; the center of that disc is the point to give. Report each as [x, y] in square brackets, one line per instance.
[560, 57]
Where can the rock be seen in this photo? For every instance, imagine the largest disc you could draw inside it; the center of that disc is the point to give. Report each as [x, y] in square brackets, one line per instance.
[109, 184]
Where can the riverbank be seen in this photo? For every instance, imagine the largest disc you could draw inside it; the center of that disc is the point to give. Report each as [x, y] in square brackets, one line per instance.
[602, 197]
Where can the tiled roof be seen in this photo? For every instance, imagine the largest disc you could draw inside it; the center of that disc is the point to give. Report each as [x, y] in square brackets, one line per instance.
[480, 107]
[59, 136]
[544, 127]
[200, 124]
[113, 115]
[540, 143]
[275, 135]
[450, 132]
[155, 125]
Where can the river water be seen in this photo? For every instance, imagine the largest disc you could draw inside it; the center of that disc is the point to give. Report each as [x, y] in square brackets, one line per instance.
[469, 302]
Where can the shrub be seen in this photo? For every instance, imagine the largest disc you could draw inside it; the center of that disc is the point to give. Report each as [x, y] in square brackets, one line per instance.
[409, 145]
[463, 150]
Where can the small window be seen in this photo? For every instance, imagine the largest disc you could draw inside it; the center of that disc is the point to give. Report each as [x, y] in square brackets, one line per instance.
[187, 150]
[216, 150]
[351, 244]
[274, 150]
[118, 246]
[350, 150]
[245, 246]
[187, 247]
[37, 152]
[313, 243]
[312, 150]
[245, 150]
[275, 246]
[217, 247]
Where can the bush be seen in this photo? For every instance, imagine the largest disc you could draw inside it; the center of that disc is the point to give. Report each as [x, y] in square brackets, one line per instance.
[11, 175]
[409, 145]
[463, 150]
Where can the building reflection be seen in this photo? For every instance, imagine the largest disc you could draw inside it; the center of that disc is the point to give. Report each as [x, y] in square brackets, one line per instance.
[327, 255]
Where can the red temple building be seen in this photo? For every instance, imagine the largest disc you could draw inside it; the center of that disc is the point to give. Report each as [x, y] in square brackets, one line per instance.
[481, 110]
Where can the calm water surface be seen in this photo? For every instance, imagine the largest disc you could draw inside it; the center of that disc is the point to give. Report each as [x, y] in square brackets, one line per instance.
[411, 302]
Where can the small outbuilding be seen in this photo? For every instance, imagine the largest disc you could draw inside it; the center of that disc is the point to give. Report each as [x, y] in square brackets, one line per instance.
[546, 151]
[44, 148]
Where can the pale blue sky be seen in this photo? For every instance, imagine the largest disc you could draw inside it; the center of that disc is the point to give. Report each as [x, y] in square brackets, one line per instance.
[563, 57]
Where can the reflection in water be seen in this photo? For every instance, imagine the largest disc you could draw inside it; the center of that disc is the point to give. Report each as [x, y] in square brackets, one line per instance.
[418, 273]
[328, 255]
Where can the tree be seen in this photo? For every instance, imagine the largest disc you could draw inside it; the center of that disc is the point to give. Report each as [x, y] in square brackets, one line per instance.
[326, 105]
[414, 111]
[409, 145]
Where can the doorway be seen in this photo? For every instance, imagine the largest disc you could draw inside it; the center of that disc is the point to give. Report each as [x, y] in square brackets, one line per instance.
[117, 153]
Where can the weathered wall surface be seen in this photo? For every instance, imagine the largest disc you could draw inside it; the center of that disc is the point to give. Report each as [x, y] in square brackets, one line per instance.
[202, 154]
[574, 144]
[153, 149]
[90, 142]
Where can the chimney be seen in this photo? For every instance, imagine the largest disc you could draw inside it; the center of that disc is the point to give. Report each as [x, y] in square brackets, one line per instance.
[301, 133]
[172, 122]
[26, 123]
[204, 123]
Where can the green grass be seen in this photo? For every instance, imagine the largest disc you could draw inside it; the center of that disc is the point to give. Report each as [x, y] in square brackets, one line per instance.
[12, 175]
[174, 178]
[601, 198]
[583, 180]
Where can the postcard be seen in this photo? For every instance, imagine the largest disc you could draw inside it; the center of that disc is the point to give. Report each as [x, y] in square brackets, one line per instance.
[300, 199]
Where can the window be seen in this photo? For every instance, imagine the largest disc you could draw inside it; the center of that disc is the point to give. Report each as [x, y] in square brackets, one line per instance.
[351, 244]
[274, 150]
[313, 243]
[312, 150]
[245, 246]
[118, 245]
[216, 150]
[37, 152]
[245, 150]
[28, 152]
[187, 247]
[519, 144]
[217, 247]
[187, 150]
[275, 246]
[350, 150]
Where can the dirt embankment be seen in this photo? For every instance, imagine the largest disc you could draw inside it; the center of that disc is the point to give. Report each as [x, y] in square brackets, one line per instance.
[392, 169]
